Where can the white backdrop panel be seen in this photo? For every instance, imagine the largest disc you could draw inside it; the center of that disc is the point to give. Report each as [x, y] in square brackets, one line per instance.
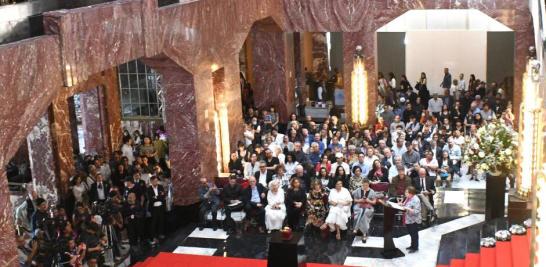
[431, 51]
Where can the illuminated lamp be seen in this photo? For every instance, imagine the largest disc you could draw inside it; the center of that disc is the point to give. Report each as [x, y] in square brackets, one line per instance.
[359, 89]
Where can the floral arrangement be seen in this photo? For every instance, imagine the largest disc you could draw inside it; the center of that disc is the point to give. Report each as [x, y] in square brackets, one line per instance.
[493, 149]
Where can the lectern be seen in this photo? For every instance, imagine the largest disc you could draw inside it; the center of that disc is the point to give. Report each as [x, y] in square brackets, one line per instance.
[389, 249]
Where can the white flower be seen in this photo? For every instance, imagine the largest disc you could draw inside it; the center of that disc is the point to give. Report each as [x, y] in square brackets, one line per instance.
[508, 151]
[481, 154]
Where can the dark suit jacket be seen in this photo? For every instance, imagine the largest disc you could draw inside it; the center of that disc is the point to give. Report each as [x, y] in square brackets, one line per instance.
[152, 197]
[94, 194]
[268, 179]
[247, 194]
[232, 193]
[385, 162]
[429, 185]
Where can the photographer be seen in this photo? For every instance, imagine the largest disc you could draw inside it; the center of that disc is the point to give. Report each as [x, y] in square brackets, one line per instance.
[40, 214]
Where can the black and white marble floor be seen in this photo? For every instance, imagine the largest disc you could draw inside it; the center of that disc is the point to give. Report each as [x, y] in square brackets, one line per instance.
[456, 207]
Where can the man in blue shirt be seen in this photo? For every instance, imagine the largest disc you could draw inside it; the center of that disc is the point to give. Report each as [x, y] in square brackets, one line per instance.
[254, 198]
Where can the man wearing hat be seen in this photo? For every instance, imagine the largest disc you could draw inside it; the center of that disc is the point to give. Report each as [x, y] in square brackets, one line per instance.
[340, 162]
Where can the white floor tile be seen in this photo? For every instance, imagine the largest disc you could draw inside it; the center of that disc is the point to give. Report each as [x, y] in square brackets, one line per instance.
[454, 197]
[209, 233]
[372, 242]
[194, 251]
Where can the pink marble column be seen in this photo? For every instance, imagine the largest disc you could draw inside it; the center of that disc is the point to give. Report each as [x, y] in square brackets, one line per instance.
[273, 68]
[90, 105]
[181, 126]
[42, 163]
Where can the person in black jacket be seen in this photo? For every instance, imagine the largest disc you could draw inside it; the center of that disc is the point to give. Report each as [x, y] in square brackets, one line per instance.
[378, 173]
[426, 188]
[254, 198]
[99, 190]
[263, 176]
[295, 202]
[156, 205]
[232, 196]
[133, 214]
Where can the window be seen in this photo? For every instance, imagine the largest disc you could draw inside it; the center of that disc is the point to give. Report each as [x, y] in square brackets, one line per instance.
[141, 92]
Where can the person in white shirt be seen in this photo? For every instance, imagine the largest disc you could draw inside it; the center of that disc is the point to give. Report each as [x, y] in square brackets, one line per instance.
[339, 162]
[275, 211]
[277, 137]
[251, 167]
[399, 148]
[290, 165]
[458, 139]
[127, 150]
[369, 159]
[462, 83]
[393, 170]
[435, 105]
[429, 163]
[249, 135]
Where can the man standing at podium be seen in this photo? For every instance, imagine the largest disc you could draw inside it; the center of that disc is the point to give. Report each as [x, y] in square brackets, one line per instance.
[412, 217]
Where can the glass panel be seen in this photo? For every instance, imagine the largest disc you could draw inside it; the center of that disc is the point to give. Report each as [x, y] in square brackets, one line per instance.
[133, 81]
[127, 110]
[143, 96]
[136, 110]
[151, 81]
[122, 68]
[154, 112]
[141, 67]
[144, 110]
[124, 83]
[142, 81]
[132, 66]
[134, 96]
[125, 96]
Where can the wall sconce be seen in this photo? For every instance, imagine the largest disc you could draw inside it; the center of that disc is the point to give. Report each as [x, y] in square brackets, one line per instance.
[530, 130]
[359, 89]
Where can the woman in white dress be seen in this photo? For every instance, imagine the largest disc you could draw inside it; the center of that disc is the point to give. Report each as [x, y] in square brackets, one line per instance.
[340, 200]
[275, 211]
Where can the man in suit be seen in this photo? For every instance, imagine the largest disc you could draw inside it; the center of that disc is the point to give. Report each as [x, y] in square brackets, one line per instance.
[232, 196]
[254, 199]
[99, 190]
[156, 205]
[426, 189]
[446, 82]
[263, 176]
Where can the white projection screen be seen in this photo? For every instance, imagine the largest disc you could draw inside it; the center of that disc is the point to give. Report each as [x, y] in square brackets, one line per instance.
[462, 51]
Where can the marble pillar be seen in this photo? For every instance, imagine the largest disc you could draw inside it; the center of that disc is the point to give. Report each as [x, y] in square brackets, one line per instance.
[42, 163]
[232, 89]
[273, 68]
[91, 121]
[181, 125]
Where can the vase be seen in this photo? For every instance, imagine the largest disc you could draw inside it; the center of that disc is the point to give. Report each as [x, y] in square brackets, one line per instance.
[495, 196]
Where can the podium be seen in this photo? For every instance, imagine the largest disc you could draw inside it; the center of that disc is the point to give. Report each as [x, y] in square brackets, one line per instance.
[389, 249]
[284, 253]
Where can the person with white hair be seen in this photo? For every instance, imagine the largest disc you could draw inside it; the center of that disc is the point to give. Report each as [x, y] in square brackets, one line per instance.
[275, 211]
[340, 200]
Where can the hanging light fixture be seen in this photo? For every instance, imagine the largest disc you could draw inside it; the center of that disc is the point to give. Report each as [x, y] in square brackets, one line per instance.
[359, 89]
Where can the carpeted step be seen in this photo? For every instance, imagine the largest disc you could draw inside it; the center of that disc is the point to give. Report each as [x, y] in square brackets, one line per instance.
[504, 254]
[521, 251]
[472, 260]
[457, 263]
[488, 257]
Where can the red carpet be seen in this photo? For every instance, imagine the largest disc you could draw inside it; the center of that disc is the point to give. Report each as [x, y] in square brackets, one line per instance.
[487, 257]
[184, 260]
[457, 263]
[472, 260]
[520, 251]
[504, 254]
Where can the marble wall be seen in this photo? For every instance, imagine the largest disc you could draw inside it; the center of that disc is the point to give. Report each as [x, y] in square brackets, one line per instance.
[42, 162]
[181, 124]
[195, 35]
[91, 121]
[272, 67]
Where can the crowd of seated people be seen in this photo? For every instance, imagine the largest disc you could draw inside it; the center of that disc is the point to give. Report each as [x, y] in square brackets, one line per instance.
[112, 206]
[329, 175]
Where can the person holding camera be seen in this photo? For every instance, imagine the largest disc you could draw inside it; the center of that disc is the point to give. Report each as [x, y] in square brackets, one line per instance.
[156, 200]
[210, 200]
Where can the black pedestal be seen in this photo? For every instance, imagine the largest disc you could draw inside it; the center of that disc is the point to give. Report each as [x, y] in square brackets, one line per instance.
[495, 196]
[283, 253]
[389, 249]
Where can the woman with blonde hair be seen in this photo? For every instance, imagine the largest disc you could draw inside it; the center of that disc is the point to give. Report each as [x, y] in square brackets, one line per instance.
[275, 211]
